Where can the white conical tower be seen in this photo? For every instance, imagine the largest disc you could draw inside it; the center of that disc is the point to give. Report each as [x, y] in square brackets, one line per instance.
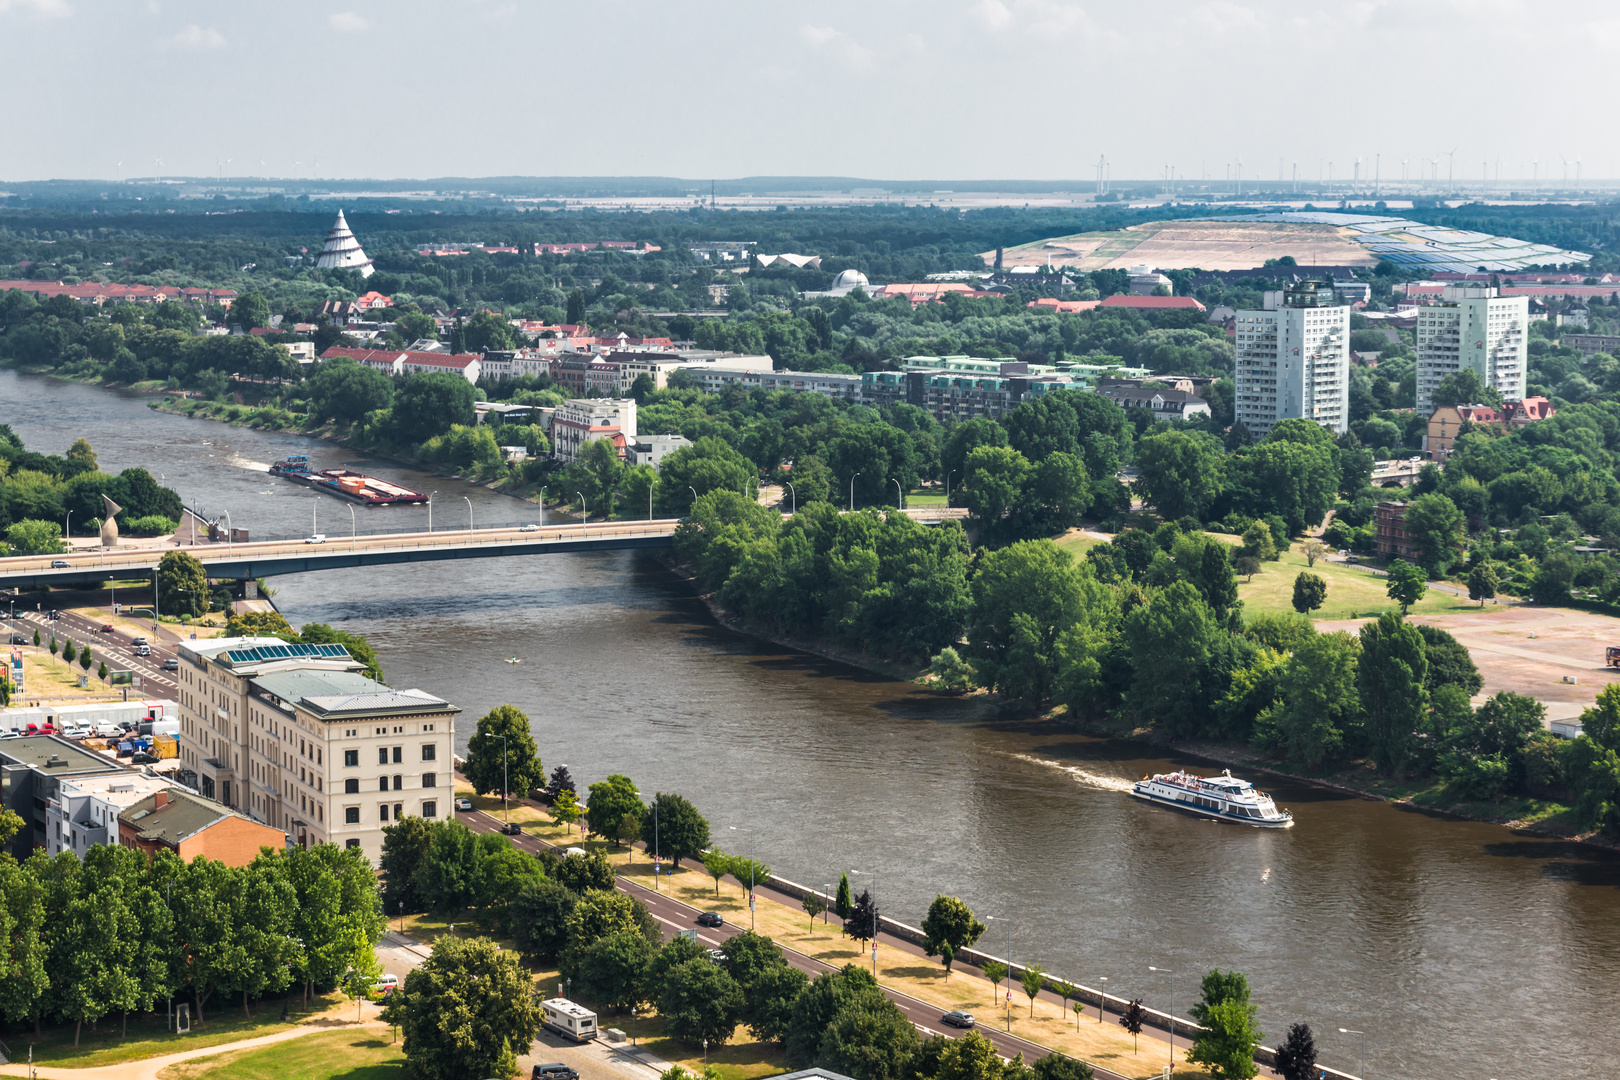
[342, 250]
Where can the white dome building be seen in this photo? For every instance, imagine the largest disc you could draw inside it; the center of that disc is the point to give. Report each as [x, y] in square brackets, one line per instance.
[342, 250]
[851, 280]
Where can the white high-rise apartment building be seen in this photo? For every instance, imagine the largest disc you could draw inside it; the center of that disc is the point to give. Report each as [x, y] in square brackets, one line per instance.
[1471, 327]
[1293, 359]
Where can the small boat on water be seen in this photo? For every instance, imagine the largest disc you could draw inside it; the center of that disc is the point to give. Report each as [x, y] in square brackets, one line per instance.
[1224, 797]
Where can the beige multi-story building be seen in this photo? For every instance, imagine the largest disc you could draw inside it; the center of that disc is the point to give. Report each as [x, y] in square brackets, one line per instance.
[1472, 327]
[1293, 359]
[295, 737]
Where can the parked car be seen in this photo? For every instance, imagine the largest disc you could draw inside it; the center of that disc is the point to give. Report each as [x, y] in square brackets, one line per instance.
[171, 664]
[106, 628]
[710, 918]
[385, 983]
[556, 1070]
[512, 828]
[530, 527]
[55, 614]
[316, 538]
[464, 805]
[60, 564]
[957, 1018]
[144, 758]
[717, 956]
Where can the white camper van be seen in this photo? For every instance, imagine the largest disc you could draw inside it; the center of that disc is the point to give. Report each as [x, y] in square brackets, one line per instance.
[566, 1018]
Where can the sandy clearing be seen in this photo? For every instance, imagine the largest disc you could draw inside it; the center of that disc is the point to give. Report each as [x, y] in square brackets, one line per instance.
[1207, 245]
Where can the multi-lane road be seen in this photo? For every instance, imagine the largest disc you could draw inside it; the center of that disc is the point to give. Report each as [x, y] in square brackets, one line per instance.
[116, 647]
[675, 916]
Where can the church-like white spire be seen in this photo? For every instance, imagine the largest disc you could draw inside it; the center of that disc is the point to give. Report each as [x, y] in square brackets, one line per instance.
[342, 250]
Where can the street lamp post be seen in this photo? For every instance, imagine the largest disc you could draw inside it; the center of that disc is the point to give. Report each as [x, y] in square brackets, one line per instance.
[693, 490]
[584, 513]
[1171, 1011]
[469, 518]
[1102, 999]
[828, 888]
[229, 543]
[1005, 919]
[505, 816]
[653, 802]
[67, 531]
[852, 493]
[542, 508]
[352, 529]
[1363, 1034]
[899, 496]
[751, 865]
[794, 492]
[430, 510]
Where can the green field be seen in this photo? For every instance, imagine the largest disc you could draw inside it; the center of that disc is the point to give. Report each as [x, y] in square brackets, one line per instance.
[149, 1035]
[341, 1055]
[1351, 592]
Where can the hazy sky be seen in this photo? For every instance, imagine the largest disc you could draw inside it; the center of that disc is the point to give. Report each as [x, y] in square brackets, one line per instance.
[894, 89]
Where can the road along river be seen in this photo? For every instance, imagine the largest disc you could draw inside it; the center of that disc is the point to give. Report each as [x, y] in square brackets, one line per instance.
[1461, 949]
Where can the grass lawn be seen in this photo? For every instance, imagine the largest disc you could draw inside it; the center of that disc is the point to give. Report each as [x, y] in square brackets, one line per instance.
[740, 1059]
[359, 1054]
[1076, 543]
[49, 677]
[920, 497]
[1351, 592]
[149, 1035]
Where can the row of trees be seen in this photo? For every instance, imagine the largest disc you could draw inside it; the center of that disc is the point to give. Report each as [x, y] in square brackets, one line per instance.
[117, 932]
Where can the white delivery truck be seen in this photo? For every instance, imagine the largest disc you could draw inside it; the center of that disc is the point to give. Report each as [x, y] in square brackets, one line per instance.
[568, 1019]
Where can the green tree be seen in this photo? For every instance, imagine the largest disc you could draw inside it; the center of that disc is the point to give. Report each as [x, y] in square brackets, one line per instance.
[995, 971]
[813, 904]
[24, 957]
[1130, 1018]
[1296, 1057]
[82, 452]
[182, 585]
[427, 405]
[405, 849]
[600, 913]
[582, 873]
[1228, 1040]
[342, 389]
[1023, 598]
[1258, 543]
[1435, 523]
[949, 922]
[750, 873]
[101, 672]
[610, 971]
[1482, 583]
[565, 808]
[34, 538]
[467, 1011]
[250, 310]
[950, 672]
[502, 752]
[769, 1000]
[1405, 583]
[1391, 679]
[207, 943]
[993, 482]
[709, 464]
[85, 659]
[698, 1002]
[847, 993]
[1294, 473]
[683, 833]
[576, 308]
[610, 802]
[1309, 592]
[486, 330]
[1059, 1067]
[862, 923]
[1180, 472]
[1031, 979]
[1319, 699]
[538, 916]
[842, 904]
[1176, 649]
[718, 865]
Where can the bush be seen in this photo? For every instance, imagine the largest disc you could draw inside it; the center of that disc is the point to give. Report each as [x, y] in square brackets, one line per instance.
[150, 525]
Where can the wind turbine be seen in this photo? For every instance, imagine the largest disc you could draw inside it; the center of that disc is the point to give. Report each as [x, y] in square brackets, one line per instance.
[1451, 161]
[120, 172]
[160, 167]
[1565, 160]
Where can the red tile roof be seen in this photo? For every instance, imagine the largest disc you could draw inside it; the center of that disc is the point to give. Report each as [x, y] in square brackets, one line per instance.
[1063, 307]
[1155, 303]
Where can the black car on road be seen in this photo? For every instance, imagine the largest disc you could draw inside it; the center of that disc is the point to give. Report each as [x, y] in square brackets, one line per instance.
[709, 918]
[957, 1018]
[512, 828]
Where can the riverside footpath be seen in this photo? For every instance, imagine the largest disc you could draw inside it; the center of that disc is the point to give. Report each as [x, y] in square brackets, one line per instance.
[918, 984]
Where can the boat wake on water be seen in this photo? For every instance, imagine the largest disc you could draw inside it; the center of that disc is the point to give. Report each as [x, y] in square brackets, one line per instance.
[1100, 781]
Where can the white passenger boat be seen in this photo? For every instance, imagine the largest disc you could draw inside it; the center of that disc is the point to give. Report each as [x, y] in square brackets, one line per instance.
[1224, 797]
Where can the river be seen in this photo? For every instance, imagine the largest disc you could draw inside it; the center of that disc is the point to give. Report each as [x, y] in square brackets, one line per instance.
[1461, 949]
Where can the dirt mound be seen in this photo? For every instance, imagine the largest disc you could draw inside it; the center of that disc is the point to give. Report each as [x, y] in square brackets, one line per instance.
[1206, 245]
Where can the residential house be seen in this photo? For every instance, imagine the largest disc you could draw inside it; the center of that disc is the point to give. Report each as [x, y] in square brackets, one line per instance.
[1153, 303]
[394, 362]
[191, 826]
[581, 420]
[653, 449]
[84, 812]
[1392, 539]
[32, 770]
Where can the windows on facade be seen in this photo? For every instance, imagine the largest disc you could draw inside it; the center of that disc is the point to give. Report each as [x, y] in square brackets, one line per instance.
[351, 842]
[384, 811]
[351, 759]
[382, 783]
[430, 779]
[351, 786]
[382, 755]
[430, 752]
[430, 809]
[351, 815]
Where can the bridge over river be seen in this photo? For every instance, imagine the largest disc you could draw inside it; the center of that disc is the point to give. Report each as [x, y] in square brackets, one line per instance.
[267, 558]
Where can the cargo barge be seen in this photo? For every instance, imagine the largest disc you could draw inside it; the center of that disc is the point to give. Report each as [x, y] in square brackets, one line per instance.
[346, 484]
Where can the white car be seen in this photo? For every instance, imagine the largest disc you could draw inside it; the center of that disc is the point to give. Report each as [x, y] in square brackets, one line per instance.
[530, 527]
[317, 538]
[464, 805]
